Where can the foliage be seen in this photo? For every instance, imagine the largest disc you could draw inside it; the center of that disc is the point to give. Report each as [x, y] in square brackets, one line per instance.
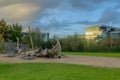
[10, 32]
[55, 71]
[1, 48]
[14, 32]
[3, 26]
[3, 29]
[75, 44]
[72, 43]
[36, 38]
[50, 43]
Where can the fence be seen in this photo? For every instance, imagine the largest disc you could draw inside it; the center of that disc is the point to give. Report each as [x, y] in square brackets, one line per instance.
[12, 48]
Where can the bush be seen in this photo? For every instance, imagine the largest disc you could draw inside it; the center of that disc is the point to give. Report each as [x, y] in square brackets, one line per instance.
[73, 43]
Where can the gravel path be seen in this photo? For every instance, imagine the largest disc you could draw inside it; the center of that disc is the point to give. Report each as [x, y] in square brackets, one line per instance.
[72, 59]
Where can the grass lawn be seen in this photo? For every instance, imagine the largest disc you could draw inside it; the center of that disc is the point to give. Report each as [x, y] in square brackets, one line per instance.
[56, 71]
[99, 54]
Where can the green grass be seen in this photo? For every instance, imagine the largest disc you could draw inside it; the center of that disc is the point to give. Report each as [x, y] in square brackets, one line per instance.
[55, 71]
[98, 54]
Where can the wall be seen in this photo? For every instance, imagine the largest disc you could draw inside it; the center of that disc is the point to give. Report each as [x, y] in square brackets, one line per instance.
[92, 32]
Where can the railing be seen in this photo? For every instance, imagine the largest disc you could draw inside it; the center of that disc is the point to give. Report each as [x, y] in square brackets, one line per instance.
[12, 47]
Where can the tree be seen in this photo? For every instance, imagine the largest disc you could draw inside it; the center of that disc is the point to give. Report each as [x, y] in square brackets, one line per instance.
[14, 32]
[36, 38]
[3, 29]
[72, 43]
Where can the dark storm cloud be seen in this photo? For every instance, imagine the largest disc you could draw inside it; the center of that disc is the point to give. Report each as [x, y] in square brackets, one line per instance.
[86, 5]
[46, 6]
[54, 25]
[109, 16]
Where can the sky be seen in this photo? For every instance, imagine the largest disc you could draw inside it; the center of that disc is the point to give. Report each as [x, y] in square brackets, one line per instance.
[61, 17]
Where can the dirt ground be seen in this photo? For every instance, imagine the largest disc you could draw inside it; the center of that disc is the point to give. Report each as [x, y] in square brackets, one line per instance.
[72, 59]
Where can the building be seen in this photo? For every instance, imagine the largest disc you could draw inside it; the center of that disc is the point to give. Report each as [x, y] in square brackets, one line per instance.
[45, 36]
[102, 31]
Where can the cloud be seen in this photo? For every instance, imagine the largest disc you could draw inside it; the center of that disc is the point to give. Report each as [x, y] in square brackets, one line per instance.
[86, 5]
[82, 5]
[26, 10]
[85, 22]
[53, 24]
[109, 16]
[60, 14]
[37, 9]
[9, 2]
[18, 11]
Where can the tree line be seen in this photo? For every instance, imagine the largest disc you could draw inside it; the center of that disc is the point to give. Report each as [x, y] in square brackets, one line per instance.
[77, 44]
[10, 33]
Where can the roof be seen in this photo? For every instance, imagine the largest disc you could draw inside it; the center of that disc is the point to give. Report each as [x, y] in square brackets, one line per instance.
[97, 26]
[116, 28]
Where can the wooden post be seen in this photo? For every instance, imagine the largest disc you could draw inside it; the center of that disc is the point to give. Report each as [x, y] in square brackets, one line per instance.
[17, 44]
[31, 38]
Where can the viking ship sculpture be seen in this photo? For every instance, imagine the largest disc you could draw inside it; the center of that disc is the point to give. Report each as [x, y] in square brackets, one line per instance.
[54, 52]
